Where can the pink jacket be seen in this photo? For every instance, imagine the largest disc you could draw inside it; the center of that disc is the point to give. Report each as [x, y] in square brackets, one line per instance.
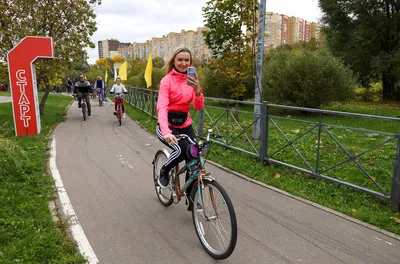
[176, 95]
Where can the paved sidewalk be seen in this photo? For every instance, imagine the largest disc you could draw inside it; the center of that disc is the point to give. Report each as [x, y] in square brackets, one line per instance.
[5, 99]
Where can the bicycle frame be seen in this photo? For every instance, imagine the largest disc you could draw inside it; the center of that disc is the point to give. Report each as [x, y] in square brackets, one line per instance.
[101, 92]
[198, 175]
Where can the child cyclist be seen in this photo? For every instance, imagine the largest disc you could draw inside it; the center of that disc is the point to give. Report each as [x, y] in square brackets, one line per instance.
[117, 90]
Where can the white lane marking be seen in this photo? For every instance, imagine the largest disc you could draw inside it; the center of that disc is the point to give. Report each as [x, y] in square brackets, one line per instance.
[123, 161]
[76, 229]
[390, 243]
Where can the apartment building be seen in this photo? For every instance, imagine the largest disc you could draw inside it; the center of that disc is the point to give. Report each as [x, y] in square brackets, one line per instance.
[307, 31]
[109, 48]
[296, 29]
[281, 29]
[315, 30]
[126, 52]
[273, 31]
[285, 30]
[164, 46]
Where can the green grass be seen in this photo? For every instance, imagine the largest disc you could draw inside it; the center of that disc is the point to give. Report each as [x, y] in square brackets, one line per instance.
[2, 93]
[379, 163]
[27, 232]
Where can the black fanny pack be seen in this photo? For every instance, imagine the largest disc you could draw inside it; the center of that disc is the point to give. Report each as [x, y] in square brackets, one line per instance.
[177, 118]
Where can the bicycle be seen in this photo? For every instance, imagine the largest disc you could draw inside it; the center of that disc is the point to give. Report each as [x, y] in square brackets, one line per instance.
[119, 107]
[208, 209]
[83, 104]
[100, 92]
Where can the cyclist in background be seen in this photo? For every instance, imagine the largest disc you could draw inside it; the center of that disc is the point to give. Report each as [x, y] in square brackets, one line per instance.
[83, 86]
[69, 85]
[118, 88]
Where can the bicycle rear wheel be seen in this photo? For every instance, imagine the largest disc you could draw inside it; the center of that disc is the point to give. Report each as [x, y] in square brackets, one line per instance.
[214, 220]
[165, 195]
[84, 111]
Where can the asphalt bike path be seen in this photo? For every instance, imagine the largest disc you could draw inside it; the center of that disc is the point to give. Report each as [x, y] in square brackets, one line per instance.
[5, 99]
[108, 176]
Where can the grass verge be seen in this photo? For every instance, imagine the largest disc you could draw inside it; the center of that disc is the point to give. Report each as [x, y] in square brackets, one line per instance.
[2, 93]
[27, 232]
[357, 204]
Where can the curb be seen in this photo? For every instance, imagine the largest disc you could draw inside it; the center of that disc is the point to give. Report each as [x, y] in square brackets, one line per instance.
[56, 206]
[321, 207]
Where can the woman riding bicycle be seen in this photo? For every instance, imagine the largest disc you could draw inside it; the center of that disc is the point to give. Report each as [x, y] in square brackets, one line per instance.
[177, 91]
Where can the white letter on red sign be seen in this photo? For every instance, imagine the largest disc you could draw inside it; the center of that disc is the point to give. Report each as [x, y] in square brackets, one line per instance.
[24, 109]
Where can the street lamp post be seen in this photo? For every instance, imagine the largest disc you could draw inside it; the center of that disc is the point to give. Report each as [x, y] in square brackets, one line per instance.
[259, 69]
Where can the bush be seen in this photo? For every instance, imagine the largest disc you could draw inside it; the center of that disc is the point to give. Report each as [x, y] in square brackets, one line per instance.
[306, 78]
[371, 94]
[212, 86]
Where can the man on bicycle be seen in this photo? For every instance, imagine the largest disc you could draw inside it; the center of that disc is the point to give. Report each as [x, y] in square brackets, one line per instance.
[118, 89]
[99, 86]
[83, 86]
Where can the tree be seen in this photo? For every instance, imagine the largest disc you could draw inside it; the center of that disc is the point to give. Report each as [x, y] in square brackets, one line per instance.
[158, 62]
[230, 44]
[136, 66]
[366, 35]
[103, 62]
[118, 59]
[3, 73]
[69, 23]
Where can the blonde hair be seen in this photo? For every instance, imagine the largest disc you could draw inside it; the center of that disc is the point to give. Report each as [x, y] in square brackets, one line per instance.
[170, 64]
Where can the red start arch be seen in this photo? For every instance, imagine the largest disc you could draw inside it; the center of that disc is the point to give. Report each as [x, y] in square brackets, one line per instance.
[23, 84]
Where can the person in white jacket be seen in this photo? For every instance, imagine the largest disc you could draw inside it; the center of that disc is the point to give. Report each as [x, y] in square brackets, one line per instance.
[119, 90]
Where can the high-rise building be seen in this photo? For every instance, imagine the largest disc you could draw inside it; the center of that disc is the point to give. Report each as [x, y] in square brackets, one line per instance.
[281, 29]
[109, 48]
[296, 30]
[164, 46]
[273, 31]
[285, 30]
[315, 30]
[126, 52]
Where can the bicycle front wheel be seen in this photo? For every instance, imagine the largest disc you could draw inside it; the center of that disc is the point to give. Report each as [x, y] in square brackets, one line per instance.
[214, 220]
[164, 194]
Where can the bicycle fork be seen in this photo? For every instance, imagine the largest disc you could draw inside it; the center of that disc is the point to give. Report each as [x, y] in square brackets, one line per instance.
[200, 189]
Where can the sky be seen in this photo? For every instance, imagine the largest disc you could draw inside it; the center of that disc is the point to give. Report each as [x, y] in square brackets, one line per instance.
[138, 21]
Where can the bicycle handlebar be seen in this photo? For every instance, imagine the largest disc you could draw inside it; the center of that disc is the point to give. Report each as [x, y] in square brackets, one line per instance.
[209, 133]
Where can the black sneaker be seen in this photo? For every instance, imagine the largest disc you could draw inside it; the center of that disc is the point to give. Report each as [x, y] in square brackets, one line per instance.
[190, 207]
[163, 180]
[89, 113]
